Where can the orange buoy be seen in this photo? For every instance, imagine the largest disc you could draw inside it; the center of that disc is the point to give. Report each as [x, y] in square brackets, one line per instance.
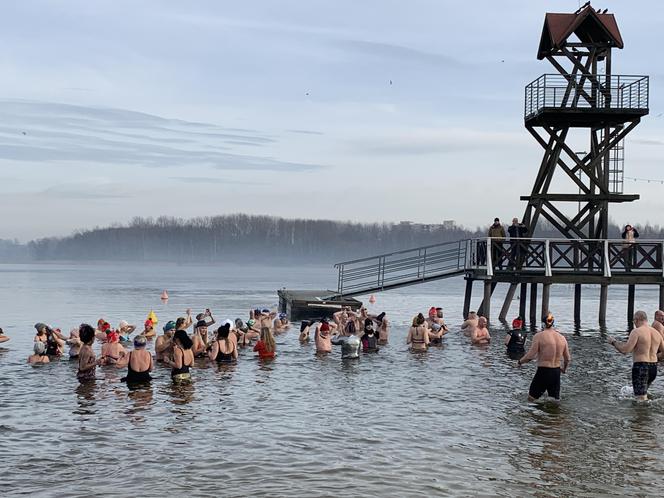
[372, 299]
[164, 296]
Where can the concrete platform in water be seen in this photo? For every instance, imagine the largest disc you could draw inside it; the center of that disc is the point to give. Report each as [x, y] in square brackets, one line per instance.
[310, 304]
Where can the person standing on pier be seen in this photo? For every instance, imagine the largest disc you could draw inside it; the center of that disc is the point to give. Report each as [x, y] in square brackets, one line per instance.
[517, 231]
[551, 349]
[646, 345]
[629, 235]
[497, 235]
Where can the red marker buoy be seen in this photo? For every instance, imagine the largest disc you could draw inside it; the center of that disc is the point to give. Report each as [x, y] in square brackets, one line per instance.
[164, 296]
[372, 299]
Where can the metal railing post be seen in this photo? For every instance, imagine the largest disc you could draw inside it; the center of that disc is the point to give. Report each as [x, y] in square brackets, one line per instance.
[607, 261]
[489, 258]
[547, 259]
[424, 264]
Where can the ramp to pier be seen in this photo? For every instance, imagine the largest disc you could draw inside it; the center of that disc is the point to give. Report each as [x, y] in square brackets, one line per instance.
[402, 268]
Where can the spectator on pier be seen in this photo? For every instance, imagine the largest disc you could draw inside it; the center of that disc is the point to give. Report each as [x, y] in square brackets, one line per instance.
[647, 346]
[497, 234]
[629, 235]
[517, 247]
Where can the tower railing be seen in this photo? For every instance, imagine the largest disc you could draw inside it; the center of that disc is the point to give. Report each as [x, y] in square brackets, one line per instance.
[578, 91]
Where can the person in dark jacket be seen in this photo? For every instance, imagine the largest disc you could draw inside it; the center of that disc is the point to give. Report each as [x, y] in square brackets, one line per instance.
[629, 235]
[517, 231]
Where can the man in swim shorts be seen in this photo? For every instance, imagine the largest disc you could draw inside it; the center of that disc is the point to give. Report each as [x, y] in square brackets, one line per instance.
[550, 348]
[644, 343]
[658, 324]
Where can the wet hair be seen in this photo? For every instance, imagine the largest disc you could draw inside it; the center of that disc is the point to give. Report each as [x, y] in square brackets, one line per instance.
[351, 328]
[368, 325]
[223, 331]
[140, 341]
[239, 324]
[180, 322]
[304, 325]
[183, 338]
[419, 319]
[549, 320]
[268, 339]
[39, 348]
[640, 315]
[86, 333]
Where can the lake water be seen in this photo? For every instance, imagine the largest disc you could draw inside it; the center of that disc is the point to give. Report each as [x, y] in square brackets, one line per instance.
[453, 421]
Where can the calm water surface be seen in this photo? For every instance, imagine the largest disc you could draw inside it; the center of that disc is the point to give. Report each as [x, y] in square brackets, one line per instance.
[453, 421]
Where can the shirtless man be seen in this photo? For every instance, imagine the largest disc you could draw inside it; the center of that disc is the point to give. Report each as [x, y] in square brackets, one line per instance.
[383, 328]
[644, 343]
[658, 324]
[480, 334]
[549, 347]
[281, 323]
[305, 328]
[163, 346]
[469, 324]
[323, 338]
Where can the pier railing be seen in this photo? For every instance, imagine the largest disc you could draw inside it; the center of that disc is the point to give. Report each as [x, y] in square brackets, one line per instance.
[526, 256]
[556, 256]
[408, 267]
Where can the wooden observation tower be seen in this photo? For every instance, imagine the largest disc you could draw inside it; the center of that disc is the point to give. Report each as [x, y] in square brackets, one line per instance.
[585, 97]
[580, 115]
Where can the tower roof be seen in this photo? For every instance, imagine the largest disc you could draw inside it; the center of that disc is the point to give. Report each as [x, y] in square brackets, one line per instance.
[587, 24]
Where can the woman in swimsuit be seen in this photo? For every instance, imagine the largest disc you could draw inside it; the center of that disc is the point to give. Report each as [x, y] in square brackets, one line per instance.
[183, 357]
[40, 355]
[418, 335]
[224, 349]
[200, 339]
[138, 363]
[112, 351]
[265, 345]
[87, 361]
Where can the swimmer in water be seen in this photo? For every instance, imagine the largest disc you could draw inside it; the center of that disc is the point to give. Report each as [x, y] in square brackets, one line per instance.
[383, 328]
[369, 338]
[74, 343]
[148, 329]
[163, 346]
[39, 355]
[183, 358]
[183, 323]
[200, 338]
[323, 337]
[224, 349]
[265, 347]
[658, 324]
[515, 340]
[102, 327]
[418, 334]
[350, 344]
[646, 345]
[281, 323]
[252, 333]
[480, 334]
[3, 337]
[112, 350]
[305, 329]
[87, 361]
[138, 363]
[469, 324]
[437, 327]
[125, 330]
[550, 349]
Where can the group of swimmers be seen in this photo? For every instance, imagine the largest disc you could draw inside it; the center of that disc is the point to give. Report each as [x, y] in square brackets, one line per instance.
[356, 332]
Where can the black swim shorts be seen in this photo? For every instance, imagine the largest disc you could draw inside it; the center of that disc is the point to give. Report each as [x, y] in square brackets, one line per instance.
[643, 374]
[546, 379]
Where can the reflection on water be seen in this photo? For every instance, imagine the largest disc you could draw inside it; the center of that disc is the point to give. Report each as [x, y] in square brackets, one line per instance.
[451, 421]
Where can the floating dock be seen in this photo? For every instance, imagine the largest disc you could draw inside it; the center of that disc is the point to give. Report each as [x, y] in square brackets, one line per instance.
[311, 304]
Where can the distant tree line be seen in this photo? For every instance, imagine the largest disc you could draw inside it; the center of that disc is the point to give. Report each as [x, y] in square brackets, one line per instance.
[241, 237]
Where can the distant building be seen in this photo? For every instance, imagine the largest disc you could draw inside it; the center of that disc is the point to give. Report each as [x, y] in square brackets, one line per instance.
[448, 224]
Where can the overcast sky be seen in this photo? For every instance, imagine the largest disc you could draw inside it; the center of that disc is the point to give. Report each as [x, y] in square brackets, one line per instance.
[353, 110]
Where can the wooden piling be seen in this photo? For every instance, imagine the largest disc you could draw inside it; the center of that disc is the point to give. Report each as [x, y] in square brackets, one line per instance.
[486, 303]
[533, 305]
[603, 298]
[630, 305]
[522, 301]
[546, 292]
[508, 302]
[577, 305]
[467, 297]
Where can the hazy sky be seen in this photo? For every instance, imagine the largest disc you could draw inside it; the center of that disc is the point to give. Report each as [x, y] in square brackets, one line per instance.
[114, 109]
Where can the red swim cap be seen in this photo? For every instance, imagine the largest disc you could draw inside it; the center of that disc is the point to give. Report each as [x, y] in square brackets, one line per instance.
[432, 311]
[324, 327]
[148, 323]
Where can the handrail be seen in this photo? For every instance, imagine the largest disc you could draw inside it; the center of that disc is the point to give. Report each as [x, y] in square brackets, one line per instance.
[403, 251]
